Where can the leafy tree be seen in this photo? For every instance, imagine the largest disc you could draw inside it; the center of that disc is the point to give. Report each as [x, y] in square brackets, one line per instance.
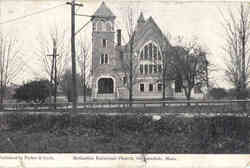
[218, 93]
[34, 91]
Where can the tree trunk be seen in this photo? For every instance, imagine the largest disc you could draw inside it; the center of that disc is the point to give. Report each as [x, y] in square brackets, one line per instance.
[84, 92]
[84, 79]
[2, 95]
[131, 73]
[188, 95]
[163, 91]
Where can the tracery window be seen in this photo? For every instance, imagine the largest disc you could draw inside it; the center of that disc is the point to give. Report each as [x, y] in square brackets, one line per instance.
[150, 52]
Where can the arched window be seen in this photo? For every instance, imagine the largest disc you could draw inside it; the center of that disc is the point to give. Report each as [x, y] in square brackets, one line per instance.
[150, 52]
[99, 26]
[103, 26]
[105, 85]
[108, 27]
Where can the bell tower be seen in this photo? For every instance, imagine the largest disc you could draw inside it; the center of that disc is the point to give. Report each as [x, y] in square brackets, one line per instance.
[103, 49]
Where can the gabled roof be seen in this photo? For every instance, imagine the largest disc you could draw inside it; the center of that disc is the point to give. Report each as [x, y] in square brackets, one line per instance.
[104, 11]
[152, 24]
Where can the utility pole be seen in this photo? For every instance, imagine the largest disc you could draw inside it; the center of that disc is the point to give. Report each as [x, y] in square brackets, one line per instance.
[53, 75]
[73, 57]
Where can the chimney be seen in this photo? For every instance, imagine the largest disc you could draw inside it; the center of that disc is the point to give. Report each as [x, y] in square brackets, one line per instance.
[119, 40]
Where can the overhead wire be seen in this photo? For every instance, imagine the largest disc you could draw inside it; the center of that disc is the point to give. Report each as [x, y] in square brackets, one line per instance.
[31, 14]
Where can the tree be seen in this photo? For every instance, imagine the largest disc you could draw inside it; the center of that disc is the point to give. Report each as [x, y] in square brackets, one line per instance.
[83, 62]
[66, 84]
[189, 65]
[218, 93]
[53, 67]
[237, 32]
[130, 58]
[34, 91]
[167, 73]
[10, 64]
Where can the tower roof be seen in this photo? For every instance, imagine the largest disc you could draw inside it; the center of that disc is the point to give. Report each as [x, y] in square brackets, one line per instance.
[141, 18]
[104, 11]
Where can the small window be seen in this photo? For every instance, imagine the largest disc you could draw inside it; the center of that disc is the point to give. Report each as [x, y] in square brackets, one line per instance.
[99, 26]
[125, 80]
[102, 59]
[103, 26]
[159, 87]
[178, 85]
[150, 68]
[141, 68]
[146, 68]
[155, 68]
[142, 87]
[104, 43]
[146, 52]
[141, 55]
[150, 51]
[108, 27]
[106, 59]
[159, 68]
[155, 53]
[151, 87]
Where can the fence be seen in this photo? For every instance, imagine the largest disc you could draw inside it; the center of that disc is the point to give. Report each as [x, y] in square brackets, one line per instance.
[152, 106]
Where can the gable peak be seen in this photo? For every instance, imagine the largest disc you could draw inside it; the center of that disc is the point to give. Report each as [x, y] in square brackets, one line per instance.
[141, 18]
[104, 11]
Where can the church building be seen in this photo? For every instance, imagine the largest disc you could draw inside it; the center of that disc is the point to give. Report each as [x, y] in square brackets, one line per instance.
[109, 80]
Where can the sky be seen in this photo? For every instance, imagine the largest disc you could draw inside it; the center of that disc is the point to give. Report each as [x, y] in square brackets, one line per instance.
[200, 19]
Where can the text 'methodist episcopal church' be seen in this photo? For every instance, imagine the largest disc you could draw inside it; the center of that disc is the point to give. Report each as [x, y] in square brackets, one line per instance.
[107, 53]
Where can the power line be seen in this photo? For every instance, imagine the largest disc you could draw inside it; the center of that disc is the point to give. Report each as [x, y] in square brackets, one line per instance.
[34, 13]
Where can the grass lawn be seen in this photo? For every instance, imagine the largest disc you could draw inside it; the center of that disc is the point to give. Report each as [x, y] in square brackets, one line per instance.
[123, 134]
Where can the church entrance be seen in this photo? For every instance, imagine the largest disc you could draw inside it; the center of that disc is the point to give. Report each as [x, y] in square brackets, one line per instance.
[105, 86]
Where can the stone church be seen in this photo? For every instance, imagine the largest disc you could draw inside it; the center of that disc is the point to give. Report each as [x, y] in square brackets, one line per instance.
[109, 81]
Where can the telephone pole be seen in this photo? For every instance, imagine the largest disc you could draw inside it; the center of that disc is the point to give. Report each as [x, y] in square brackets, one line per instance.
[73, 57]
[53, 75]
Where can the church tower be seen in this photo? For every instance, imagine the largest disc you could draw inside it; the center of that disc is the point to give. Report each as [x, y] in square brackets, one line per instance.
[103, 53]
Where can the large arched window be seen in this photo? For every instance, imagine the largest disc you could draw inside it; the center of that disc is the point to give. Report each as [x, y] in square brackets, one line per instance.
[150, 52]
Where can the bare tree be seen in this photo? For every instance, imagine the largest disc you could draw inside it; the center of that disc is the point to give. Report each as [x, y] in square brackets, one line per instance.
[45, 51]
[237, 30]
[130, 57]
[83, 60]
[190, 66]
[10, 63]
[166, 75]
